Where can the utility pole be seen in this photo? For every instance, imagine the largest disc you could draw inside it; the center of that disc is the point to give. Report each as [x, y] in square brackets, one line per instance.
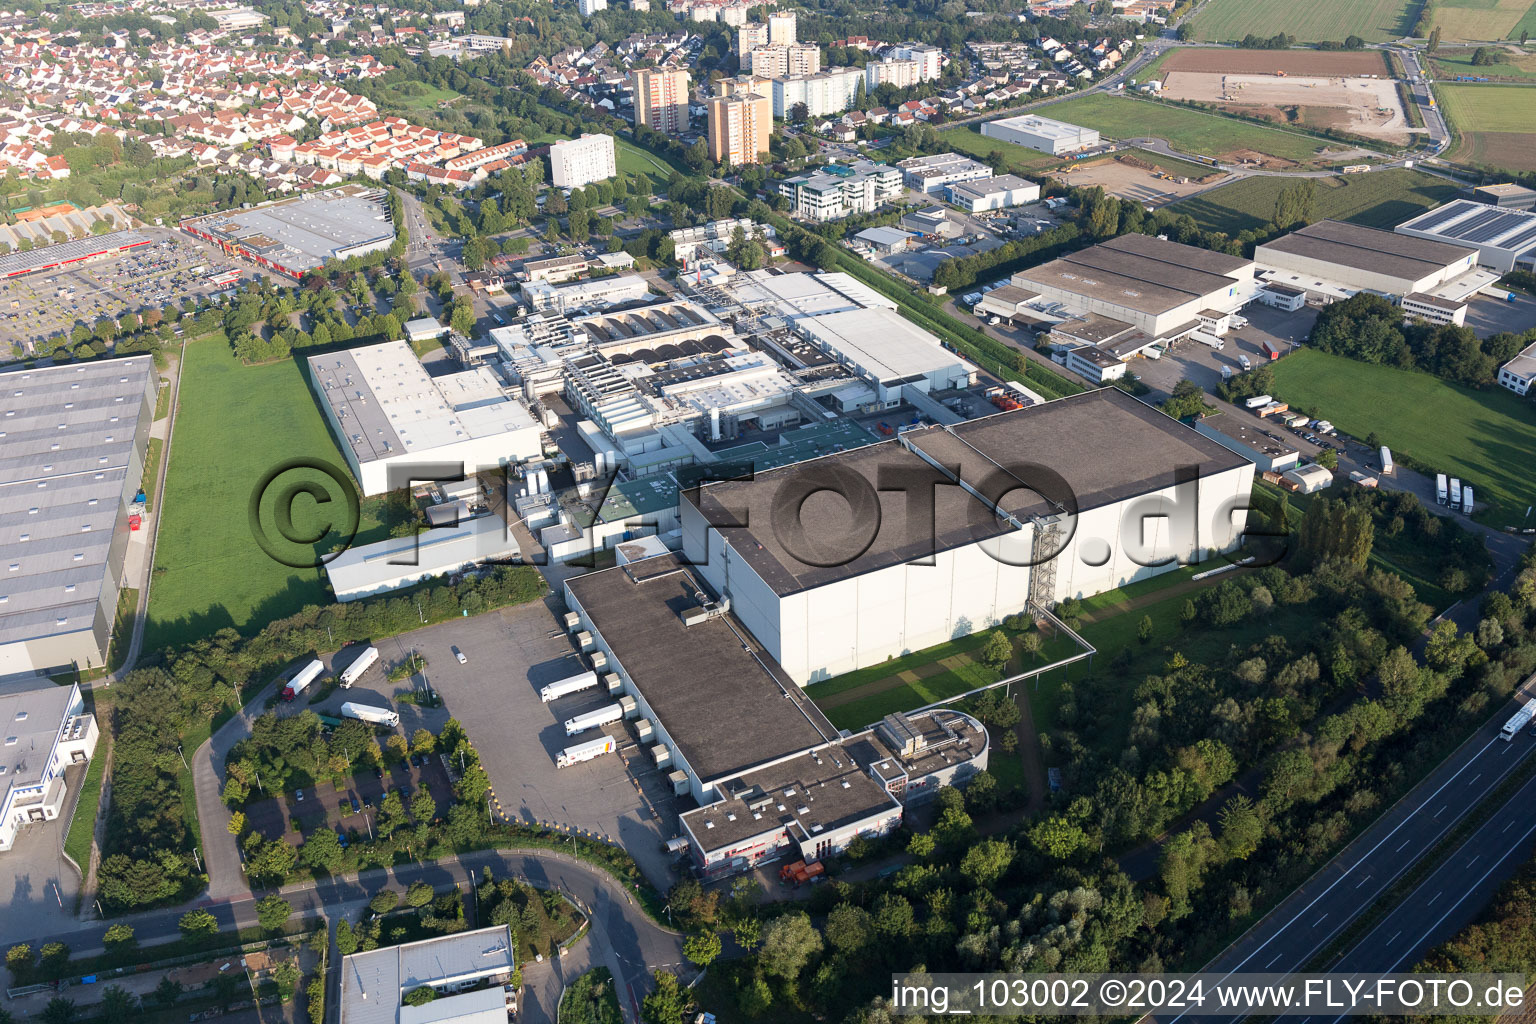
[183, 758]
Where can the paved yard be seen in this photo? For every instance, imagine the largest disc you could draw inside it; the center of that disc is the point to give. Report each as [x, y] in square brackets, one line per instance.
[1490, 316]
[34, 876]
[1203, 365]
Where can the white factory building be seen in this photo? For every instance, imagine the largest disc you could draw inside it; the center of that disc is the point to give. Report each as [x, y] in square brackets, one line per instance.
[1505, 239]
[1125, 493]
[1042, 133]
[390, 415]
[364, 570]
[993, 193]
[1136, 289]
[579, 162]
[595, 292]
[46, 729]
[774, 778]
[937, 172]
[468, 972]
[1332, 252]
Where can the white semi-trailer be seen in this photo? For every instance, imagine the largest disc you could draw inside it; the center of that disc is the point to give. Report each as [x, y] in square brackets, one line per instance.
[306, 675]
[567, 686]
[1519, 720]
[585, 751]
[370, 714]
[593, 719]
[362, 663]
[1442, 489]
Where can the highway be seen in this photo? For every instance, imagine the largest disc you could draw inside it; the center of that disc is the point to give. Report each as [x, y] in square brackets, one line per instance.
[1291, 936]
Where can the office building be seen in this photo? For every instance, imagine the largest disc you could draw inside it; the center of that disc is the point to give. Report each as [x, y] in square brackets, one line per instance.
[739, 127]
[46, 730]
[1042, 133]
[390, 415]
[840, 189]
[72, 446]
[937, 172]
[661, 99]
[580, 162]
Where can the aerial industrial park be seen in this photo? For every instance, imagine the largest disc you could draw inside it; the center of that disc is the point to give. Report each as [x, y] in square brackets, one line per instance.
[695, 511]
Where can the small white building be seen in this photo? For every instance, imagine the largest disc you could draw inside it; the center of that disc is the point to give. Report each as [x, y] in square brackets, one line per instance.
[1308, 479]
[370, 569]
[1520, 372]
[996, 193]
[45, 729]
[595, 293]
[423, 329]
[469, 974]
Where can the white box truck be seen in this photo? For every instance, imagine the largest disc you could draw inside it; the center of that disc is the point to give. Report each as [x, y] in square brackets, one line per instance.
[362, 663]
[1386, 460]
[1519, 720]
[1242, 361]
[306, 675]
[593, 719]
[567, 686]
[1442, 490]
[1455, 493]
[369, 713]
[1257, 401]
[585, 751]
[1466, 499]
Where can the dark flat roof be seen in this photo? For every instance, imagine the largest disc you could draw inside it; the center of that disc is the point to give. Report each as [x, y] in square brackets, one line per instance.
[1177, 254]
[1371, 249]
[727, 708]
[1104, 445]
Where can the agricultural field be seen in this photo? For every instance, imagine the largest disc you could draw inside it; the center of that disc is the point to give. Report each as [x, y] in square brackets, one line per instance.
[1516, 65]
[971, 142]
[233, 425]
[1234, 61]
[1482, 20]
[1496, 124]
[1310, 21]
[1189, 131]
[1380, 199]
[1484, 437]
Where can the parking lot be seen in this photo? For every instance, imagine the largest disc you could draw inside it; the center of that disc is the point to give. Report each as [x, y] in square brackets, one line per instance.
[1194, 361]
[39, 306]
[1490, 316]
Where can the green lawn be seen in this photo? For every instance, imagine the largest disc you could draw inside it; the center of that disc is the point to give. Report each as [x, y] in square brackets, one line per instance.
[1189, 131]
[1379, 199]
[77, 843]
[1485, 437]
[1489, 108]
[1450, 63]
[234, 424]
[1310, 21]
[421, 95]
[631, 159]
[970, 141]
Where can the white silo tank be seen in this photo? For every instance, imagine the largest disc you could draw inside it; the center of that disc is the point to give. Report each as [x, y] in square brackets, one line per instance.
[611, 461]
[597, 463]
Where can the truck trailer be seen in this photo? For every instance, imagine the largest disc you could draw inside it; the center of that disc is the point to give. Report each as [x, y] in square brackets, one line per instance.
[567, 686]
[359, 665]
[1208, 340]
[1386, 460]
[1519, 720]
[1455, 493]
[1442, 490]
[1257, 401]
[306, 675]
[1466, 499]
[370, 714]
[593, 719]
[585, 751]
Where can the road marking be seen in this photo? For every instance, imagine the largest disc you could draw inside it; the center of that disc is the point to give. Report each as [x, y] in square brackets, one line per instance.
[1435, 897]
[1506, 828]
[1441, 810]
[1474, 778]
[1400, 848]
[1473, 860]
[1274, 961]
[1394, 936]
[1362, 881]
[1319, 921]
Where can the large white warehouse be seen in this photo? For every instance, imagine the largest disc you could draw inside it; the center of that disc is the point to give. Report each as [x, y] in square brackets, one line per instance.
[1367, 258]
[1035, 132]
[1505, 239]
[831, 574]
[389, 414]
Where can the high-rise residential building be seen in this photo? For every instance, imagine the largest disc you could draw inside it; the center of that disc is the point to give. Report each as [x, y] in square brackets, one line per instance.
[661, 100]
[930, 59]
[581, 161]
[752, 35]
[587, 8]
[739, 126]
[743, 83]
[734, 15]
[776, 61]
[830, 92]
[781, 28]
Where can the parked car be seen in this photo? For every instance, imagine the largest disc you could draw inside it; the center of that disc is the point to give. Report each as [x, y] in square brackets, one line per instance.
[356, 806]
[460, 655]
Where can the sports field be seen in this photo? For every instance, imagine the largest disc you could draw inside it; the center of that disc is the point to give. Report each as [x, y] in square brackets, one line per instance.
[234, 424]
[1310, 21]
[1496, 123]
[1189, 131]
[1480, 20]
[1484, 437]
[1379, 199]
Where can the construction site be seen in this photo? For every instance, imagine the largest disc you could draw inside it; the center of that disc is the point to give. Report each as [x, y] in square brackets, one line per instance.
[1367, 106]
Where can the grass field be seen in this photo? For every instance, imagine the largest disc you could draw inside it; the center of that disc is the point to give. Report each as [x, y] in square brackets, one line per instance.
[1379, 199]
[631, 159]
[1484, 437]
[1171, 164]
[1496, 124]
[1190, 131]
[235, 423]
[1480, 20]
[970, 141]
[1450, 63]
[421, 96]
[1310, 21]
[82, 827]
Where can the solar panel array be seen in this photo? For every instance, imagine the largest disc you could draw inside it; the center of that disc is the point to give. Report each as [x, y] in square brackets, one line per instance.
[1477, 224]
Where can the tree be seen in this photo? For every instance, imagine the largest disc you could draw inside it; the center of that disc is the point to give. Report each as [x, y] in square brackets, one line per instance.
[667, 1003]
[59, 1011]
[391, 811]
[322, 851]
[419, 996]
[1187, 401]
[984, 863]
[1434, 40]
[119, 938]
[273, 911]
[463, 319]
[696, 156]
[1186, 32]
[236, 824]
[798, 112]
[1057, 838]
[423, 807]
[1484, 56]
[996, 651]
[167, 992]
[849, 928]
[702, 948]
[19, 961]
[419, 894]
[789, 942]
[117, 1004]
[346, 939]
[384, 901]
[1144, 630]
[1241, 828]
[198, 922]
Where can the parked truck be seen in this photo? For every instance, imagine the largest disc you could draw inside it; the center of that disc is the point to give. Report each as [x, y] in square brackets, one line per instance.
[1442, 490]
[1208, 340]
[1386, 460]
[567, 686]
[1466, 499]
[1243, 361]
[1258, 401]
[306, 675]
[593, 719]
[1519, 720]
[1455, 493]
[585, 751]
[360, 664]
[1270, 349]
[372, 715]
